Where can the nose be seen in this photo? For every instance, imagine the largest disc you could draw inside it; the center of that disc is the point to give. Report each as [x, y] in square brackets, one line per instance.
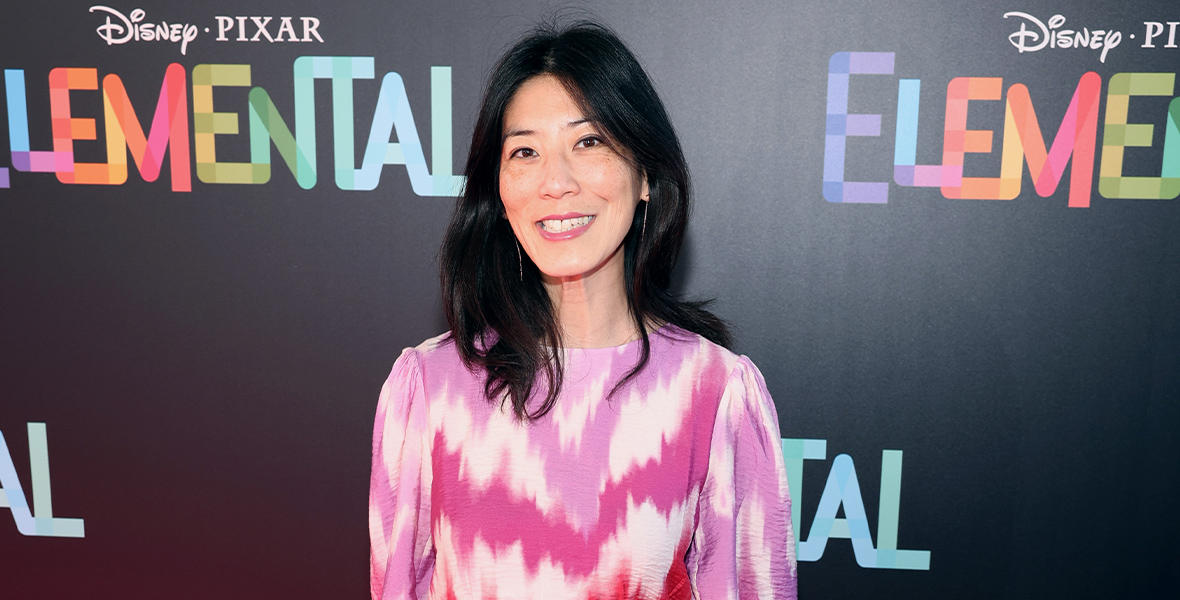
[558, 177]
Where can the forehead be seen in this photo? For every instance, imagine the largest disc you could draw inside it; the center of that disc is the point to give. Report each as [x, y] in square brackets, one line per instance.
[542, 98]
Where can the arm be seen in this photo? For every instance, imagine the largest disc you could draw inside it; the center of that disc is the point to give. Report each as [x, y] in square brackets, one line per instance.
[743, 546]
[402, 552]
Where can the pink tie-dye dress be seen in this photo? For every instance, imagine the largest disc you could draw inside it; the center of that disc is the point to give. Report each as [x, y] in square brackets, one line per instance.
[672, 488]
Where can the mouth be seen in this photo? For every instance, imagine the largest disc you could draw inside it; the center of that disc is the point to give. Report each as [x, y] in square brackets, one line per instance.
[564, 225]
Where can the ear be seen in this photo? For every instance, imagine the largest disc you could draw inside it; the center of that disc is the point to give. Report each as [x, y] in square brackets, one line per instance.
[644, 192]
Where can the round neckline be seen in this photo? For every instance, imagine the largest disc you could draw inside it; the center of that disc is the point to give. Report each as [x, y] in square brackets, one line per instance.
[624, 346]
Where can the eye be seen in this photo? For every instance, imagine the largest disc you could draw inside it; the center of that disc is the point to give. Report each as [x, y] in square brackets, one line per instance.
[590, 141]
[523, 153]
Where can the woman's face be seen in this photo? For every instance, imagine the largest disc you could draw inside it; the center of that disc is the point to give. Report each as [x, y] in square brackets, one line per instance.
[569, 195]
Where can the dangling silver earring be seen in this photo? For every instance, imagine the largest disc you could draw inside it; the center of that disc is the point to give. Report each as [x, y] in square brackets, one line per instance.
[643, 229]
[519, 261]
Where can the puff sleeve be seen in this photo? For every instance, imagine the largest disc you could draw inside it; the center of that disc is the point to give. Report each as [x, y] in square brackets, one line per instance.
[743, 546]
[401, 548]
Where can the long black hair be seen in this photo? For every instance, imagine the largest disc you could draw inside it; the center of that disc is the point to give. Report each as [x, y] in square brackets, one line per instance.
[500, 315]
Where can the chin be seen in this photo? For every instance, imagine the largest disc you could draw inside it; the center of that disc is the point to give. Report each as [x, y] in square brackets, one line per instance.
[563, 272]
[568, 270]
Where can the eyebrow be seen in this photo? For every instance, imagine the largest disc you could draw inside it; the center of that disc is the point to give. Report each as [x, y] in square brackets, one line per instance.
[516, 132]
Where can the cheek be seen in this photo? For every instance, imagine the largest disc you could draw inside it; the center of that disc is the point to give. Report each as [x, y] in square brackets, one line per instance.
[518, 181]
[514, 197]
[611, 178]
[511, 188]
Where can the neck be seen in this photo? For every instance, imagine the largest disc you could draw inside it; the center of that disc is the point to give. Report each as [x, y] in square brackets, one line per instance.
[592, 308]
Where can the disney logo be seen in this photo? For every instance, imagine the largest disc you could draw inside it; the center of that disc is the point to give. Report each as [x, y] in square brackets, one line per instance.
[1053, 36]
[127, 28]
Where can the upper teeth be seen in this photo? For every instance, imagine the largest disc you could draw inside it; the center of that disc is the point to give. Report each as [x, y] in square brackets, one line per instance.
[560, 225]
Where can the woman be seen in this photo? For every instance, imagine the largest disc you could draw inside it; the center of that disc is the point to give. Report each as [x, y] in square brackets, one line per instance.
[579, 433]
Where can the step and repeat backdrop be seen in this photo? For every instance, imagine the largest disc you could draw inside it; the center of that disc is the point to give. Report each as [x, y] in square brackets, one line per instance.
[947, 231]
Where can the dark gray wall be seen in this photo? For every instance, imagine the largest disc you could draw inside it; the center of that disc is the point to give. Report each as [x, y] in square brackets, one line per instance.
[207, 363]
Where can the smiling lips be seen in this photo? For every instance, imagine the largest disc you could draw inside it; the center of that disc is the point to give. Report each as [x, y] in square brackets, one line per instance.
[564, 227]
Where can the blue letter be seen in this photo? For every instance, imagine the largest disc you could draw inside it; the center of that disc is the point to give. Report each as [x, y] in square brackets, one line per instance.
[840, 125]
[842, 488]
[12, 495]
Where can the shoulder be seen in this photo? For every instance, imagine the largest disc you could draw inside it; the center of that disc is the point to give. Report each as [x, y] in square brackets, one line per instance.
[432, 355]
[731, 379]
[672, 342]
[675, 337]
[437, 346]
[740, 384]
[438, 352]
[434, 371]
